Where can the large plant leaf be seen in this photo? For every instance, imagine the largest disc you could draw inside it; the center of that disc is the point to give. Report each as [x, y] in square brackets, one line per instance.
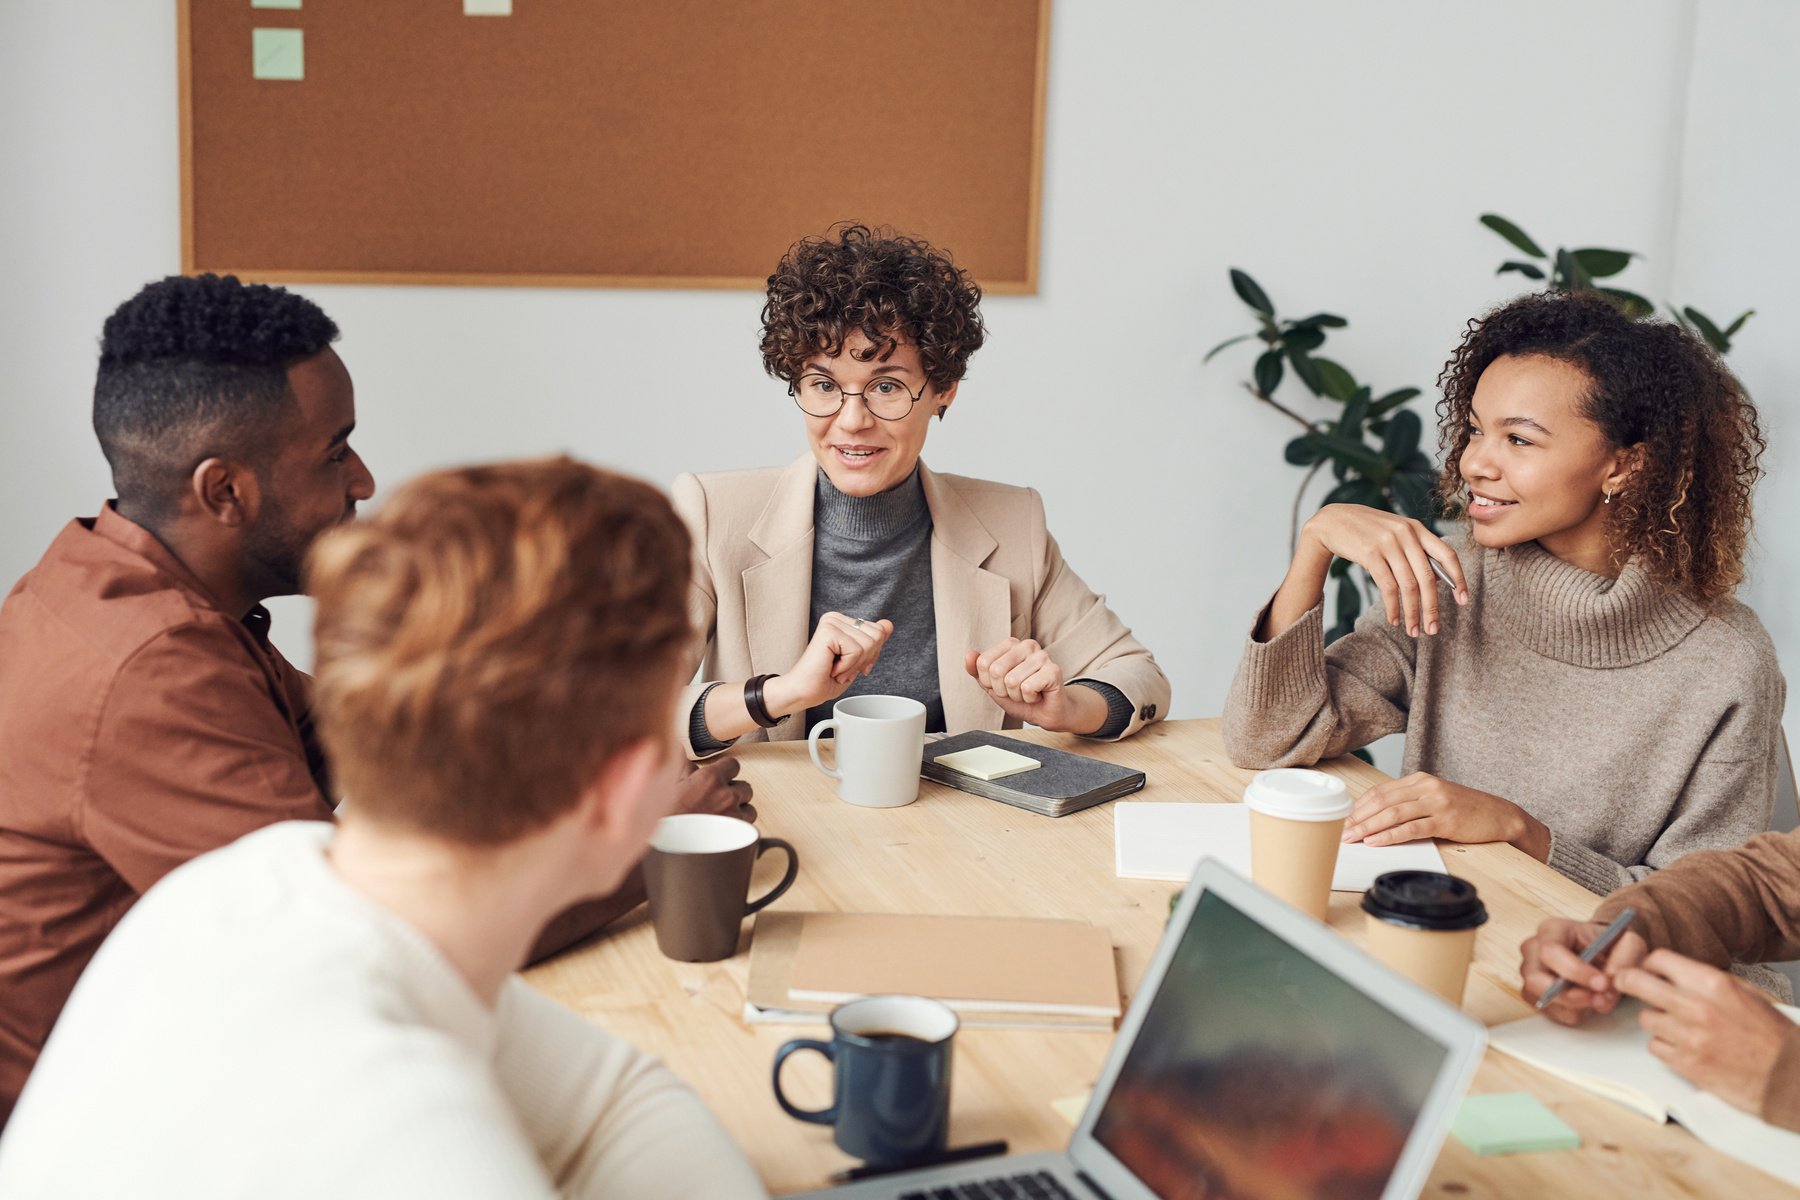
[1338, 383]
[1731, 329]
[1356, 491]
[1268, 372]
[1715, 337]
[1511, 233]
[1401, 437]
[1354, 456]
[1629, 303]
[1318, 321]
[1306, 369]
[1250, 293]
[1242, 337]
[1391, 401]
[1305, 450]
[1355, 415]
[1420, 463]
[1601, 263]
[1416, 495]
[1349, 607]
[1571, 273]
[1307, 339]
[1529, 270]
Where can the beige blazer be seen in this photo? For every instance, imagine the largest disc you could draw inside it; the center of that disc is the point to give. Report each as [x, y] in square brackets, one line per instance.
[995, 571]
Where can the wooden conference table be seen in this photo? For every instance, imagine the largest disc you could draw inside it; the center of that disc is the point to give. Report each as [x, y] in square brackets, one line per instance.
[954, 853]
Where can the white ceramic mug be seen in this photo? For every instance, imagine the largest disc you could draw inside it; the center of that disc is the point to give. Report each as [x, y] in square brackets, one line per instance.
[878, 747]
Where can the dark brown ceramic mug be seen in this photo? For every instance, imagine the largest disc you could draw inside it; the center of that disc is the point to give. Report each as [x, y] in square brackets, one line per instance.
[698, 874]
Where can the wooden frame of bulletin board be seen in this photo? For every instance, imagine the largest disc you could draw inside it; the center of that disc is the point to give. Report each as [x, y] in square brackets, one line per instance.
[604, 143]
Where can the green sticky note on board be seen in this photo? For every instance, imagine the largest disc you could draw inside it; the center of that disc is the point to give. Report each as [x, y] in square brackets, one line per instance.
[277, 54]
[287, 4]
[1511, 1123]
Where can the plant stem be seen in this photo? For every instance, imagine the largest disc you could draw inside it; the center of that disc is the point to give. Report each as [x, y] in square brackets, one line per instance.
[1294, 522]
[1278, 406]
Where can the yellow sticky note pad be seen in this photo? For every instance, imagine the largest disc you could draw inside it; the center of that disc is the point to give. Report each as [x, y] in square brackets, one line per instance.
[277, 54]
[988, 762]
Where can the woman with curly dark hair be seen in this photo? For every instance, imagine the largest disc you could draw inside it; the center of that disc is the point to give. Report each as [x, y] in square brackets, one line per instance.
[1594, 696]
[857, 569]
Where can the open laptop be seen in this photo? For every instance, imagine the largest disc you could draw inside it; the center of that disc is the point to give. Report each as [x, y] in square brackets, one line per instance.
[1263, 1056]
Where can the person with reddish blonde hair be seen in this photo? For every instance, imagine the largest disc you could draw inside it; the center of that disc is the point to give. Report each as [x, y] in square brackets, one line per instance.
[333, 1010]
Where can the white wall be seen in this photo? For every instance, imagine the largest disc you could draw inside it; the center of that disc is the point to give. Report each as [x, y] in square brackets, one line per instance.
[1341, 153]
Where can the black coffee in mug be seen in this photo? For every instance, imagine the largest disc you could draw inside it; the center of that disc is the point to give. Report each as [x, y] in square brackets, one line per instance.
[891, 1077]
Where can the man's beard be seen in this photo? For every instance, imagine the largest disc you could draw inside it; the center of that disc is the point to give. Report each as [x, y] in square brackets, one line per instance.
[278, 552]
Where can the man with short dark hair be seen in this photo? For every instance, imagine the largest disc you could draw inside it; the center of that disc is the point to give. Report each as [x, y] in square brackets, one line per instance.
[145, 717]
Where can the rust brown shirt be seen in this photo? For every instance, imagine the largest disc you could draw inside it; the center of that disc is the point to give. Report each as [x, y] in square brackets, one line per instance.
[140, 726]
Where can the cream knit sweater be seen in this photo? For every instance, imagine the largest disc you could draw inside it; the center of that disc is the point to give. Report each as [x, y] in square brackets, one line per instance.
[1617, 712]
[254, 1027]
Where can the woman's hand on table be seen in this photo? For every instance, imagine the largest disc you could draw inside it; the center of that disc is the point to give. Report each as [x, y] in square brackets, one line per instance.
[1711, 1028]
[841, 649]
[1026, 683]
[713, 787]
[1554, 952]
[1424, 806]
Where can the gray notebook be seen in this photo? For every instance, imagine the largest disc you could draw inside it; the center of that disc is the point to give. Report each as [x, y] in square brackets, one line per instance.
[1065, 783]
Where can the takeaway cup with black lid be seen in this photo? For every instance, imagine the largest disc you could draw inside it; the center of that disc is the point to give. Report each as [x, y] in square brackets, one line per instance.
[1422, 924]
[1296, 827]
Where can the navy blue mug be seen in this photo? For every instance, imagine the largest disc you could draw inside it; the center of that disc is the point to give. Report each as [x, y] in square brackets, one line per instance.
[891, 1086]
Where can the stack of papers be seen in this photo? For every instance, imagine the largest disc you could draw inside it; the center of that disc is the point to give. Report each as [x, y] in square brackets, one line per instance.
[1167, 841]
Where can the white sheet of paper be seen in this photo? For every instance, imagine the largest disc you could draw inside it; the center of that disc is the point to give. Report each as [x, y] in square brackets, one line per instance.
[1167, 841]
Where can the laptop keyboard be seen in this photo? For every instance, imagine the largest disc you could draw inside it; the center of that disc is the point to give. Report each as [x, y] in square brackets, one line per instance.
[1033, 1185]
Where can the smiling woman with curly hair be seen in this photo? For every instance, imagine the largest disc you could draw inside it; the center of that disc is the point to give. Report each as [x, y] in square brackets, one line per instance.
[941, 588]
[1594, 695]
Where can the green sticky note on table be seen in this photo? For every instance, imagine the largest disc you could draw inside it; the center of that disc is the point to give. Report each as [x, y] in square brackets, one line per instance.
[1511, 1123]
[988, 762]
[277, 54]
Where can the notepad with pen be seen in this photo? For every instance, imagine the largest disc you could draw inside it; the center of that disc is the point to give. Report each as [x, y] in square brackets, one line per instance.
[1061, 783]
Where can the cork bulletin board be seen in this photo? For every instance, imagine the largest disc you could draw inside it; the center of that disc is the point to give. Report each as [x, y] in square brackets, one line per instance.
[632, 143]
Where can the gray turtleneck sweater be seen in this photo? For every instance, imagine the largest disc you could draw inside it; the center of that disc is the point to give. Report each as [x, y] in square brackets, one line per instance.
[1632, 723]
[872, 558]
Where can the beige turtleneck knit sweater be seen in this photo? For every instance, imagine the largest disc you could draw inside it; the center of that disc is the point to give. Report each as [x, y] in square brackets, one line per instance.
[1632, 723]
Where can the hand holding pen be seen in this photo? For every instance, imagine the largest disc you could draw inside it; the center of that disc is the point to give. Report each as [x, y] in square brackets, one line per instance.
[1569, 966]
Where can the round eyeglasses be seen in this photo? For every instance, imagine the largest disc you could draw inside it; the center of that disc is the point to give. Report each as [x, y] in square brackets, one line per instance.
[821, 396]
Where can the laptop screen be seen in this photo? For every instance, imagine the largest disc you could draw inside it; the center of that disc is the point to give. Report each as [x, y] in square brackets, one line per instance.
[1257, 1072]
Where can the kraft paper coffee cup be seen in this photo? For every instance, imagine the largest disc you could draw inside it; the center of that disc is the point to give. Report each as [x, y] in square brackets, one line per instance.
[1296, 826]
[1423, 925]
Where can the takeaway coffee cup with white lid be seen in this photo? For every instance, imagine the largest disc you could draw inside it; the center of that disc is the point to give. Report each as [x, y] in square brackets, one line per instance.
[1422, 924]
[1296, 825]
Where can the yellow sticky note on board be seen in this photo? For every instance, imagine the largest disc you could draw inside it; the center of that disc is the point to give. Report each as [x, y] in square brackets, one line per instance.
[277, 54]
[988, 762]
